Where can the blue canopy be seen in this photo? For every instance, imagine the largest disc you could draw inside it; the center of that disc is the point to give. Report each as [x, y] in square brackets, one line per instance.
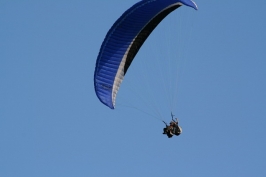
[123, 42]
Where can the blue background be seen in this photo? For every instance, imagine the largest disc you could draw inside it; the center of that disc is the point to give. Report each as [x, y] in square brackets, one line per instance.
[52, 124]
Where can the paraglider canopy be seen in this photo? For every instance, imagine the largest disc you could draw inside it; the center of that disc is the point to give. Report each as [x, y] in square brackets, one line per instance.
[123, 42]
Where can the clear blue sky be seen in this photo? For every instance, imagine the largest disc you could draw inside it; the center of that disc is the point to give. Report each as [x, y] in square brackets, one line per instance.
[52, 124]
